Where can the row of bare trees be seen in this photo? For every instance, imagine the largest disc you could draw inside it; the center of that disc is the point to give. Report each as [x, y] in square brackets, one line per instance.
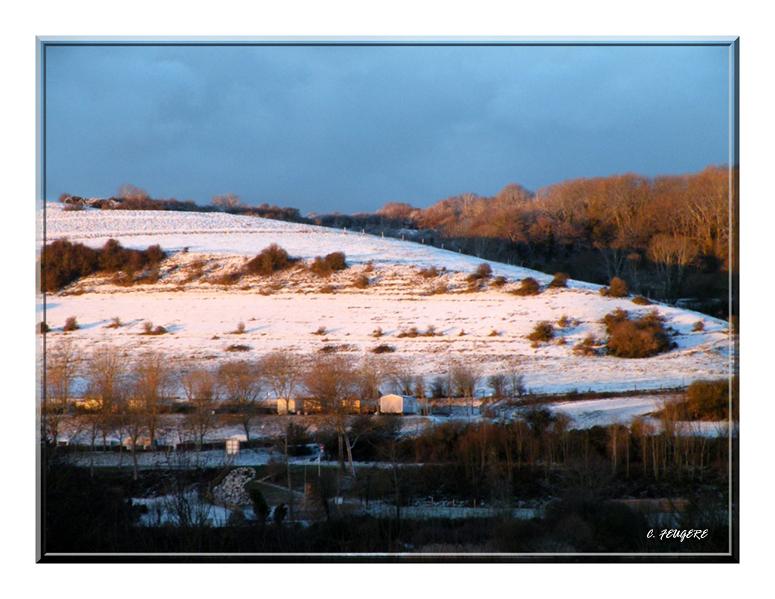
[127, 397]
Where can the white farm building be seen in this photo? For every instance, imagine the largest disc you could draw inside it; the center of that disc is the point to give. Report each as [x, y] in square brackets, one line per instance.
[398, 404]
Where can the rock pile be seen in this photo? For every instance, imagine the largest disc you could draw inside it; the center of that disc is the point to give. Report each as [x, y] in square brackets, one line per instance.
[232, 489]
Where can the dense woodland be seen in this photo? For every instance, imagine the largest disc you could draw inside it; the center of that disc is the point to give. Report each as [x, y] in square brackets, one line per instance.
[669, 237]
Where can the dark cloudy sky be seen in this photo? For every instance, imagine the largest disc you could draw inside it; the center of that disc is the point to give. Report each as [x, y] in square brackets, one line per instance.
[349, 128]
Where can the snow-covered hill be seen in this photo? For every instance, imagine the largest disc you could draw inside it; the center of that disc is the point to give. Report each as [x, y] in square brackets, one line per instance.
[284, 311]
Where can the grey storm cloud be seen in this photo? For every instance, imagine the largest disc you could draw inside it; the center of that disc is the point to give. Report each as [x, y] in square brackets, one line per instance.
[351, 127]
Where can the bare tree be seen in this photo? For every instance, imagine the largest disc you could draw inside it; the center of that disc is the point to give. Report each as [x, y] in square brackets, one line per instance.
[62, 368]
[242, 385]
[283, 372]
[465, 378]
[401, 374]
[128, 191]
[671, 255]
[200, 386]
[516, 380]
[107, 382]
[152, 383]
[225, 201]
[371, 374]
[331, 385]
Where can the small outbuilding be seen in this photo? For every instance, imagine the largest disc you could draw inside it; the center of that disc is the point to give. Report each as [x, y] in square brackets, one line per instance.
[398, 404]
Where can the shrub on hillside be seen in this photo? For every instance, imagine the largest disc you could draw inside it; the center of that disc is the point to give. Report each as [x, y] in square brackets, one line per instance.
[271, 259]
[383, 348]
[528, 286]
[616, 288]
[560, 280]
[640, 338]
[429, 273]
[332, 262]
[587, 347]
[543, 331]
[361, 282]
[499, 281]
[483, 271]
[708, 400]
[641, 301]
[64, 262]
[71, 324]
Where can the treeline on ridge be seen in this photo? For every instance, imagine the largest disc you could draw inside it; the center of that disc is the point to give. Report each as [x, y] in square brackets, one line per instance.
[668, 237]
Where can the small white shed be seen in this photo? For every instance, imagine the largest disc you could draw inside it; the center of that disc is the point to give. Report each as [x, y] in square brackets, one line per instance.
[398, 404]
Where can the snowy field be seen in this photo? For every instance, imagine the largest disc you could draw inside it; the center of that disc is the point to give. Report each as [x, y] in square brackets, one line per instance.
[284, 312]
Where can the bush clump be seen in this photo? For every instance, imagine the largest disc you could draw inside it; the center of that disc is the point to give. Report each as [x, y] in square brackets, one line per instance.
[708, 400]
[543, 332]
[429, 273]
[64, 262]
[616, 288]
[641, 301]
[639, 338]
[361, 282]
[528, 286]
[237, 347]
[560, 280]
[482, 272]
[383, 348]
[270, 260]
[587, 347]
[148, 329]
[71, 324]
[332, 262]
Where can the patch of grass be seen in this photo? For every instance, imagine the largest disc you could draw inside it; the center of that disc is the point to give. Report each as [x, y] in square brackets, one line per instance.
[383, 348]
[237, 348]
[564, 322]
[229, 278]
[321, 331]
[429, 272]
[115, 323]
[377, 333]
[327, 289]
[499, 281]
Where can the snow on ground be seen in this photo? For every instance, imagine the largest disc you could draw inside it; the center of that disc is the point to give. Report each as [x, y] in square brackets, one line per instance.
[283, 312]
